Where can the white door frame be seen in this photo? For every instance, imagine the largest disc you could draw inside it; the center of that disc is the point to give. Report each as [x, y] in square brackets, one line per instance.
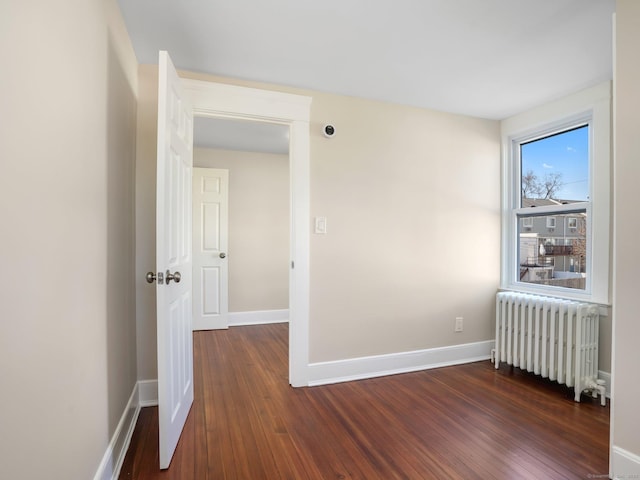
[229, 101]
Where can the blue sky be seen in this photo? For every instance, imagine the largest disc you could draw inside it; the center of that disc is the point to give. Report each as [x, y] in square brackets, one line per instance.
[566, 153]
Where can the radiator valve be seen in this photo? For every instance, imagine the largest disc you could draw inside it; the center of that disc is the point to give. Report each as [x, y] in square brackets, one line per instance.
[597, 387]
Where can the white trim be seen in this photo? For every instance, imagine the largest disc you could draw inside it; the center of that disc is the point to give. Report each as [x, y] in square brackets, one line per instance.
[258, 317]
[219, 322]
[109, 468]
[230, 101]
[299, 289]
[148, 393]
[592, 105]
[323, 373]
[551, 222]
[223, 100]
[614, 254]
[624, 464]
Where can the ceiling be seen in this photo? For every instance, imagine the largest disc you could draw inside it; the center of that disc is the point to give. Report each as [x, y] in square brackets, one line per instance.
[489, 58]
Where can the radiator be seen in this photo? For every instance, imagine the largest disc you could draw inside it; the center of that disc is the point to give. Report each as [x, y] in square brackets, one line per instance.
[554, 338]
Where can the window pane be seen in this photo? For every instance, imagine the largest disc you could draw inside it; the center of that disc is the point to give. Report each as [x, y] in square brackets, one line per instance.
[555, 169]
[553, 253]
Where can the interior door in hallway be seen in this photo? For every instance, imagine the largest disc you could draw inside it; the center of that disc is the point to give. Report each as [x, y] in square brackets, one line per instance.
[173, 258]
[210, 248]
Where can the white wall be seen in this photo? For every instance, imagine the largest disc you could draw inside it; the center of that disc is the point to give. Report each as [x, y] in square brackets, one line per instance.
[67, 335]
[412, 198]
[625, 418]
[258, 226]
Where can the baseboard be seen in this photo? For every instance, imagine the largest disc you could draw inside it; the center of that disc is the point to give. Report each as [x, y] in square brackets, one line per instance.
[390, 364]
[624, 464]
[111, 463]
[258, 317]
[214, 322]
[148, 396]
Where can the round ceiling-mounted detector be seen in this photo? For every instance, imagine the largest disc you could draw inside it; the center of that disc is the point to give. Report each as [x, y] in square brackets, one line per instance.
[329, 130]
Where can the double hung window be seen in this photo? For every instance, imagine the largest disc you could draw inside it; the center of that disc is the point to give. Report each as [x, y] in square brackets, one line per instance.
[556, 198]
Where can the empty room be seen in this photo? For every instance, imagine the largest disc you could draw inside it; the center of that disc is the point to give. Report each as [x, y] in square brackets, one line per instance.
[331, 240]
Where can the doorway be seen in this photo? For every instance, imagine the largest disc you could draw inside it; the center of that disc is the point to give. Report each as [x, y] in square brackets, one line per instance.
[214, 100]
[240, 223]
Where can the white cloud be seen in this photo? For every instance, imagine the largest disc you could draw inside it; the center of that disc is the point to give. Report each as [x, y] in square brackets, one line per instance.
[546, 165]
[571, 149]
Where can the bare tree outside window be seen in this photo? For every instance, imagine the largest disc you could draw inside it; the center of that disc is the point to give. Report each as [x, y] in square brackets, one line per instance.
[530, 185]
[551, 184]
[547, 188]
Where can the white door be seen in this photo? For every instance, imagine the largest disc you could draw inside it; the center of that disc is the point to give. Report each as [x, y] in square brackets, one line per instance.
[173, 258]
[210, 242]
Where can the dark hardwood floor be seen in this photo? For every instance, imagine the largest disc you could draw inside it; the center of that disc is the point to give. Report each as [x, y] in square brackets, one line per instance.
[461, 422]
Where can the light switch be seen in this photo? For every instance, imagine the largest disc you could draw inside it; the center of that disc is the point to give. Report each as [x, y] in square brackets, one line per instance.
[321, 225]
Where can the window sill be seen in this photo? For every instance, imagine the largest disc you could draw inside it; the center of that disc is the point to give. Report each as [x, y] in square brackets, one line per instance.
[604, 307]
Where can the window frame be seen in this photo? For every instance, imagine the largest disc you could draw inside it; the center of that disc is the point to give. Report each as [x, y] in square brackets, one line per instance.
[551, 220]
[592, 107]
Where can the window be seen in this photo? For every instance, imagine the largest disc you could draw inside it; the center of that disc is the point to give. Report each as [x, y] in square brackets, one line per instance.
[554, 174]
[556, 203]
[555, 258]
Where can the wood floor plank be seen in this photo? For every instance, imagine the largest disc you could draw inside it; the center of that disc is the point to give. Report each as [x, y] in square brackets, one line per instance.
[463, 422]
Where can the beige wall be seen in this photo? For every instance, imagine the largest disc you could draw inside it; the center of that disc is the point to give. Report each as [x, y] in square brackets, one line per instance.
[67, 144]
[626, 420]
[411, 198]
[258, 226]
[146, 220]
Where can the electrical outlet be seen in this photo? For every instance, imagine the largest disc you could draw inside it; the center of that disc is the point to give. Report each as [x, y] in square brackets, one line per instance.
[458, 327]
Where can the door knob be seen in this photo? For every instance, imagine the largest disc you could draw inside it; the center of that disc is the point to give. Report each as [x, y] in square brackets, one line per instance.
[152, 277]
[223, 255]
[173, 276]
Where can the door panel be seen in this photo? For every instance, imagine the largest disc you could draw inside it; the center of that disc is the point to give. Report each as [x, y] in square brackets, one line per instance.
[210, 228]
[210, 243]
[173, 256]
[210, 289]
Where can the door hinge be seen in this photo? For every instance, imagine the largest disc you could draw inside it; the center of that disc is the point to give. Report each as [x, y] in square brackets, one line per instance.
[292, 264]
